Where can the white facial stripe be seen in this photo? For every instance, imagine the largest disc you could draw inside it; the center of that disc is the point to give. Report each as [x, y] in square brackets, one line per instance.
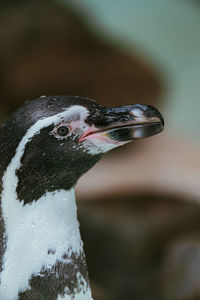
[10, 179]
[31, 230]
[56, 119]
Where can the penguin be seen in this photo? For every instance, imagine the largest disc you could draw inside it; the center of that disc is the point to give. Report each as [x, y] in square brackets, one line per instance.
[45, 147]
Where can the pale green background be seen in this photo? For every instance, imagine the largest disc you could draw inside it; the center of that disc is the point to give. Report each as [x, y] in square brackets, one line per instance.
[167, 34]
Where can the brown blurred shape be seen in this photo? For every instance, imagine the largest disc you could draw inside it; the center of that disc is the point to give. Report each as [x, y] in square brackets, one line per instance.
[46, 48]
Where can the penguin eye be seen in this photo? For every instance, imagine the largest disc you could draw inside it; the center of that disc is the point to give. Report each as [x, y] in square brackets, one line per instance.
[62, 130]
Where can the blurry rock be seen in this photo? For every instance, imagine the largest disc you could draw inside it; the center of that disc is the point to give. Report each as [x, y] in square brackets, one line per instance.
[126, 239]
[99, 292]
[182, 270]
[148, 165]
[46, 48]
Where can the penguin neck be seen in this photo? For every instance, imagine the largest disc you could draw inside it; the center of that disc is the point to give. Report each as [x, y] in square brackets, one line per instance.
[43, 256]
[43, 252]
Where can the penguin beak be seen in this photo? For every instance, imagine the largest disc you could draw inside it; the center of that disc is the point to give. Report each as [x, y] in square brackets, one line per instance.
[122, 124]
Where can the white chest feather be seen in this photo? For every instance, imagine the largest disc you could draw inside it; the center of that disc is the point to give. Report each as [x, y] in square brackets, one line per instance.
[33, 230]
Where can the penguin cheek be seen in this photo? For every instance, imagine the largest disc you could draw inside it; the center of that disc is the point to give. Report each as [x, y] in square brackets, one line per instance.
[101, 142]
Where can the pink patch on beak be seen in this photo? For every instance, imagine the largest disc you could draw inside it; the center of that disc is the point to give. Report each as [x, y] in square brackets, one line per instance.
[88, 132]
[101, 136]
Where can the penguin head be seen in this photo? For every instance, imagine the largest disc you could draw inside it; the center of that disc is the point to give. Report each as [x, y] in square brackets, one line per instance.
[56, 139]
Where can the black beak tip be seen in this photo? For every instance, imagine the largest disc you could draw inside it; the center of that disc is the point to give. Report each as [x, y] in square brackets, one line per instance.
[161, 118]
[153, 112]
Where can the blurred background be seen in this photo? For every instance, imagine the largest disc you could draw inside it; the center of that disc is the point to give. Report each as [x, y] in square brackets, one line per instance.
[139, 207]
